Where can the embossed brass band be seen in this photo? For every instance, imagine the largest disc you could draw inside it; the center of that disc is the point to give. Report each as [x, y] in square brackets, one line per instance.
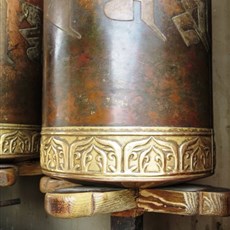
[19, 141]
[127, 154]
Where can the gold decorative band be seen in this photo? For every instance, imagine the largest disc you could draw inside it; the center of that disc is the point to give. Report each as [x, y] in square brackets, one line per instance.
[127, 153]
[17, 140]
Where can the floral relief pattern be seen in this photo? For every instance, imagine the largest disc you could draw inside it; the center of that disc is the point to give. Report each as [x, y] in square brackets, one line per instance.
[150, 155]
[196, 154]
[83, 155]
[15, 141]
[54, 153]
[119, 154]
[95, 155]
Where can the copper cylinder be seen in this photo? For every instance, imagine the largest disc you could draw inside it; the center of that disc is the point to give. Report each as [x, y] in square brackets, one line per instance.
[20, 78]
[127, 91]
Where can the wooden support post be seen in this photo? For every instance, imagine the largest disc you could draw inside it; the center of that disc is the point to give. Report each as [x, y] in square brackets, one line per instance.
[127, 220]
[126, 223]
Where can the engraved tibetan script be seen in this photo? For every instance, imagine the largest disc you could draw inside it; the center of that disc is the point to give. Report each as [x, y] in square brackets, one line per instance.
[4, 58]
[193, 22]
[33, 16]
[123, 10]
[64, 22]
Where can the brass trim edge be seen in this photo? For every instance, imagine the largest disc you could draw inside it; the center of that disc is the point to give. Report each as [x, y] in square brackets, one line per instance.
[127, 152]
[18, 140]
[125, 130]
[164, 179]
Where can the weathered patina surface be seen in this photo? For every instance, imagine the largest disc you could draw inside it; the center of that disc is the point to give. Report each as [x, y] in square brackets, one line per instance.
[127, 63]
[20, 76]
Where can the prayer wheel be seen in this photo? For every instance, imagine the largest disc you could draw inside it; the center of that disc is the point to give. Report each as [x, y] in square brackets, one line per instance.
[127, 94]
[20, 78]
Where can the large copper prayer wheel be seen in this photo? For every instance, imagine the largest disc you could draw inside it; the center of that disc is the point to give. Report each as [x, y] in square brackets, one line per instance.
[127, 91]
[20, 78]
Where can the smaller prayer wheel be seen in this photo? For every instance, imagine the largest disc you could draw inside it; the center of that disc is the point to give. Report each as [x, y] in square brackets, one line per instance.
[127, 91]
[20, 78]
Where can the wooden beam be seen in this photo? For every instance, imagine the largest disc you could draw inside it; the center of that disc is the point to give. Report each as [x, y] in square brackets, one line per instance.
[73, 205]
[68, 200]
[29, 168]
[8, 175]
[186, 200]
